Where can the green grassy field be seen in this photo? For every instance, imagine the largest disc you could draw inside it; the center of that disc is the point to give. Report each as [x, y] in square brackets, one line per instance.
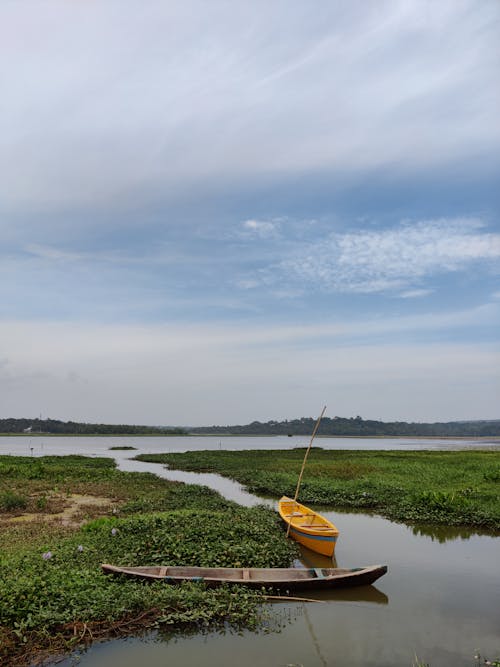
[459, 488]
[53, 595]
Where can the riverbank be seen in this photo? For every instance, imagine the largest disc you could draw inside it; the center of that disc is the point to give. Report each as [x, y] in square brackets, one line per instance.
[450, 488]
[53, 595]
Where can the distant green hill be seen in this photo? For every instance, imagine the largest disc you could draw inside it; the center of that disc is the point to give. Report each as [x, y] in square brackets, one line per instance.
[337, 426]
[356, 426]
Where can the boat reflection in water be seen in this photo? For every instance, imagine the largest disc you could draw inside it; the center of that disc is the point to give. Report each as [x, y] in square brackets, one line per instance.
[369, 594]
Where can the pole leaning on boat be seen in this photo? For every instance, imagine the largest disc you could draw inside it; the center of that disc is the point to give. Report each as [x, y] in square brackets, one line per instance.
[304, 462]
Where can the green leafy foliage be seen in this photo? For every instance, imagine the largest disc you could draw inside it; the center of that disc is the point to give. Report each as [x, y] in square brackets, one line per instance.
[10, 501]
[51, 580]
[453, 488]
[38, 479]
[64, 584]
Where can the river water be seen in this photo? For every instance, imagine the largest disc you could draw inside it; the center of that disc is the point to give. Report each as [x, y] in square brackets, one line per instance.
[44, 445]
[439, 601]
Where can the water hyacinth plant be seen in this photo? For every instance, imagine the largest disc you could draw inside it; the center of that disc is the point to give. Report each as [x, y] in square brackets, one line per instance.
[453, 488]
[53, 593]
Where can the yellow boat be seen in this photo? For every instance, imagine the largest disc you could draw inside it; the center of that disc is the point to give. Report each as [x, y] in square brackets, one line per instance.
[308, 527]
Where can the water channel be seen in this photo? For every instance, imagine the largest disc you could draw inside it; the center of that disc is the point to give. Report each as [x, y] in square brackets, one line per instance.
[439, 601]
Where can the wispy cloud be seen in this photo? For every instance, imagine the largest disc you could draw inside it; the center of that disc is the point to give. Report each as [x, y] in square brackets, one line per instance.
[391, 259]
[190, 95]
[263, 229]
[415, 293]
[52, 253]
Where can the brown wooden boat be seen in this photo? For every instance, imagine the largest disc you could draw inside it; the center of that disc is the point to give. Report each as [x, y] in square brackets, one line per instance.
[290, 578]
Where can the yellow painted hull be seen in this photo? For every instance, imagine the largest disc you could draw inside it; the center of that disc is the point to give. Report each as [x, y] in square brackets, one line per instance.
[308, 527]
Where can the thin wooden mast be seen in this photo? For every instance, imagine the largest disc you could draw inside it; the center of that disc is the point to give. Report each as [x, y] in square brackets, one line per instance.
[304, 462]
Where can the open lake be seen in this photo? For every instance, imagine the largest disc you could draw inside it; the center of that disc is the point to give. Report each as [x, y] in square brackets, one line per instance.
[44, 445]
[439, 601]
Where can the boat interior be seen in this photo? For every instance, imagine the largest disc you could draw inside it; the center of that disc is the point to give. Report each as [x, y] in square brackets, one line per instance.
[259, 574]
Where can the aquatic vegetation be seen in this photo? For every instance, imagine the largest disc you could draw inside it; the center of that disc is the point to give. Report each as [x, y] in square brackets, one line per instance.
[122, 447]
[46, 485]
[63, 587]
[481, 660]
[453, 488]
[478, 658]
[53, 594]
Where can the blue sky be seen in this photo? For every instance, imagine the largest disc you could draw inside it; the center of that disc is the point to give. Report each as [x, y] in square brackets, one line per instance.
[221, 212]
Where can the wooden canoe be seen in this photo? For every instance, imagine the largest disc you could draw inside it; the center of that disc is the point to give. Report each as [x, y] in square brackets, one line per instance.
[308, 527]
[279, 578]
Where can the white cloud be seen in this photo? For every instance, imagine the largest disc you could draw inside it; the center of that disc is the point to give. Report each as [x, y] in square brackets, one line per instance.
[415, 293]
[261, 228]
[190, 95]
[391, 259]
[53, 254]
[247, 284]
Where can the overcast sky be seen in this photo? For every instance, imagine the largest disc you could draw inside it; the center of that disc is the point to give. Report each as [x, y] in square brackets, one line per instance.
[220, 212]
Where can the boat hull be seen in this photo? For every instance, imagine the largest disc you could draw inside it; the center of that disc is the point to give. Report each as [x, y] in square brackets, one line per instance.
[321, 544]
[288, 579]
[308, 527]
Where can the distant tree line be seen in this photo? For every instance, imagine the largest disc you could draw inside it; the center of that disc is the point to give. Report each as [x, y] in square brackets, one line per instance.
[55, 426]
[356, 426]
[341, 426]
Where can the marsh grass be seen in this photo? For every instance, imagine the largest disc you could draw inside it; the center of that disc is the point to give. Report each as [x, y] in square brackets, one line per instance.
[47, 483]
[122, 447]
[53, 595]
[11, 501]
[454, 488]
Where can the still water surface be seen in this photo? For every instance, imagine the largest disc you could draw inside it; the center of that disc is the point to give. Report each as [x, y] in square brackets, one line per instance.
[440, 599]
[41, 445]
